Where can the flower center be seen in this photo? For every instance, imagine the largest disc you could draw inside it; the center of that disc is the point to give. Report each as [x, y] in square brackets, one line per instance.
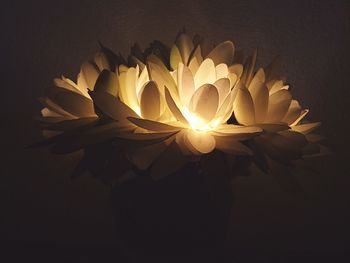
[197, 123]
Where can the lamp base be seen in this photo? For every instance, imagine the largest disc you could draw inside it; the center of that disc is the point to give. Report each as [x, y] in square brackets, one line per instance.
[185, 212]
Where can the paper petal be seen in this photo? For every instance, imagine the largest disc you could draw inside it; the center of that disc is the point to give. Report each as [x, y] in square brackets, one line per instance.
[101, 61]
[230, 145]
[185, 45]
[89, 73]
[107, 81]
[279, 103]
[74, 103]
[185, 84]
[244, 107]
[293, 112]
[237, 69]
[306, 128]
[174, 108]
[204, 102]
[112, 106]
[237, 132]
[260, 96]
[160, 74]
[206, 73]
[175, 57]
[223, 87]
[153, 125]
[222, 53]
[201, 141]
[150, 101]
[273, 127]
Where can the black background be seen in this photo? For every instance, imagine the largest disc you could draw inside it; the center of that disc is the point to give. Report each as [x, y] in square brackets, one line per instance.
[41, 206]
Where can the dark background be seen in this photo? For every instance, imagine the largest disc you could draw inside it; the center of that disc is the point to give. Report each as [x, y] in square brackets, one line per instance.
[40, 40]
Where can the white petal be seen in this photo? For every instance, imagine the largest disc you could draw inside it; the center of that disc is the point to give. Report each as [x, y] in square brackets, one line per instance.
[223, 87]
[141, 81]
[160, 74]
[205, 74]
[153, 125]
[231, 146]
[185, 45]
[101, 61]
[221, 71]
[175, 57]
[174, 108]
[260, 96]
[195, 60]
[201, 141]
[277, 86]
[278, 106]
[222, 53]
[112, 106]
[237, 132]
[306, 128]
[185, 84]
[237, 69]
[71, 86]
[249, 68]
[107, 81]
[204, 102]
[74, 103]
[244, 107]
[150, 101]
[89, 73]
[302, 115]
[293, 113]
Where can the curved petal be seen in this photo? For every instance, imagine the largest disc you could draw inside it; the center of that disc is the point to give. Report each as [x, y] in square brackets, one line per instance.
[153, 125]
[68, 84]
[175, 57]
[89, 74]
[230, 145]
[195, 60]
[150, 101]
[201, 141]
[112, 106]
[237, 132]
[221, 71]
[174, 108]
[130, 87]
[161, 75]
[185, 45]
[293, 112]
[74, 103]
[101, 61]
[279, 103]
[237, 69]
[260, 96]
[306, 128]
[107, 81]
[276, 87]
[223, 87]
[204, 102]
[206, 73]
[243, 107]
[185, 84]
[222, 53]
[302, 115]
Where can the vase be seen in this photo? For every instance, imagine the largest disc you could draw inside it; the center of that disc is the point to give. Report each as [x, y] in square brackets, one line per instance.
[181, 214]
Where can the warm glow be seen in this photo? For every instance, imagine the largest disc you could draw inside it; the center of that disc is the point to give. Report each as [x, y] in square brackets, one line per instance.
[179, 105]
[197, 123]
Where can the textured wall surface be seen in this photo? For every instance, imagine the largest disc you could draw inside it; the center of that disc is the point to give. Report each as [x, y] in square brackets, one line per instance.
[44, 39]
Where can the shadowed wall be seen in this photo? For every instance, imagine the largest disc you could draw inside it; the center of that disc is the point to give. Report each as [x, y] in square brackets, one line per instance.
[44, 39]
